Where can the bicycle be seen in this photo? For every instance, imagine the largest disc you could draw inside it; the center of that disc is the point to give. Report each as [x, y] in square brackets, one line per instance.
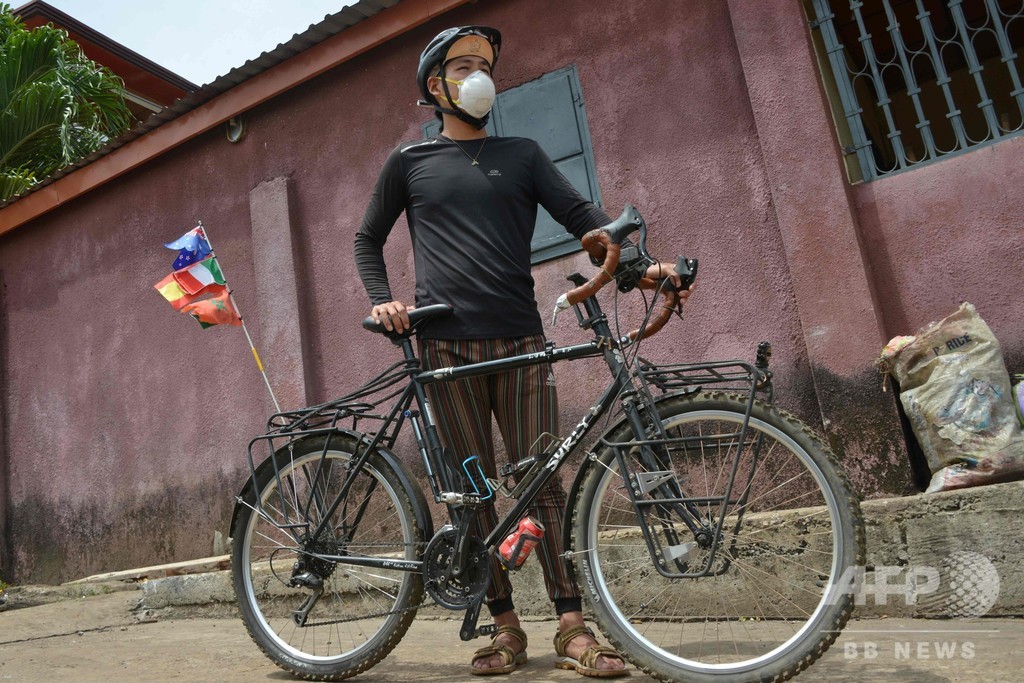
[709, 530]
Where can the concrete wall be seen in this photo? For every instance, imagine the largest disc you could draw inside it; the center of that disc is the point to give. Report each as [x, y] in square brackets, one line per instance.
[126, 424]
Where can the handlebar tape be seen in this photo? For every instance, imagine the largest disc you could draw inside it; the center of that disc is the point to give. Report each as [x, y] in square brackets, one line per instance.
[598, 243]
[661, 317]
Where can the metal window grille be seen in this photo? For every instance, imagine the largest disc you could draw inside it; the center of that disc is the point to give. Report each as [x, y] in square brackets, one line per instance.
[920, 79]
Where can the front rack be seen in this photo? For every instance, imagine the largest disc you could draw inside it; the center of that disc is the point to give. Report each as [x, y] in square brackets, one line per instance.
[654, 486]
[691, 377]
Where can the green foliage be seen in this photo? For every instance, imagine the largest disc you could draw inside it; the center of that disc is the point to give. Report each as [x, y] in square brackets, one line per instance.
[56, 106]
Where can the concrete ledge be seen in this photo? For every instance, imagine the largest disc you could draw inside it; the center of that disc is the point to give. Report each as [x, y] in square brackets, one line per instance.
[206, 564]
[903, 535]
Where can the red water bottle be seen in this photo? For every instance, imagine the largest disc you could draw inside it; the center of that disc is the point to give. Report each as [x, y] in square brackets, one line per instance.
[517, 545]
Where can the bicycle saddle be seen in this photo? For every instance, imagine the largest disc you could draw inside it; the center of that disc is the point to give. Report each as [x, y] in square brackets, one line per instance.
[417, 318]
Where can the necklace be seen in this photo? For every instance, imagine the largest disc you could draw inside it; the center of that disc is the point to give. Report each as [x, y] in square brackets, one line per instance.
[471, 158]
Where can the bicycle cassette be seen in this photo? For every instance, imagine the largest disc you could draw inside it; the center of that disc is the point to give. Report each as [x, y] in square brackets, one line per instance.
[455, 592]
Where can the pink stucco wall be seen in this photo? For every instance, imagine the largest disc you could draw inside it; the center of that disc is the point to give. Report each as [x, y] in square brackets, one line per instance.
[949, 232]
[126, 424]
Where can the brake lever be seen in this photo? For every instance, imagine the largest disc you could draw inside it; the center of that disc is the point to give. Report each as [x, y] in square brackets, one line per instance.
[686, 269]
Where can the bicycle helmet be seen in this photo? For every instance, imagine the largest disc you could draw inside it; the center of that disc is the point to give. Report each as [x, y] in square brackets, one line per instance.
[434, 57]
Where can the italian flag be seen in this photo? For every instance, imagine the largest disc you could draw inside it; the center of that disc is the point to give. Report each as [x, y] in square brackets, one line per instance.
[197, 277]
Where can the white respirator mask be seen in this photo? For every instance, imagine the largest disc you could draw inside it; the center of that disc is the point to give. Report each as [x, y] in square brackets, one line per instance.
[476, 94]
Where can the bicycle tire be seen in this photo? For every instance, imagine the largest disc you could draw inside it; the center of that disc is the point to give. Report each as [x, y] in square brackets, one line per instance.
[363, 612]
[783, 597]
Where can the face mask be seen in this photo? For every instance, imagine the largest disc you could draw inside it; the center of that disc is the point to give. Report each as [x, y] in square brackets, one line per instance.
[476, 94]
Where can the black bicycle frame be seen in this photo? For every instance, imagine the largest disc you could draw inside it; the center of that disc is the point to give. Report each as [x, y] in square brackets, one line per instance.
[447, 486]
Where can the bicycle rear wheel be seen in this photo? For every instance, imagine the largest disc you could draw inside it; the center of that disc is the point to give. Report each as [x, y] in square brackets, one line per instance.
[774, 599]
[362, 612]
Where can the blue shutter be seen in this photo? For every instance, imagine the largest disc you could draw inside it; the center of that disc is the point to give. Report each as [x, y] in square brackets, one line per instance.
[550, 111]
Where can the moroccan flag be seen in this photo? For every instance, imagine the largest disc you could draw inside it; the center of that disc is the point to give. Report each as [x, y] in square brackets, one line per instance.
[203, 274]
[215, 311]
[192, 247]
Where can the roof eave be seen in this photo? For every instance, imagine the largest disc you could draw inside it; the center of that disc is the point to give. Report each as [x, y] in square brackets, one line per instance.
[176, 124]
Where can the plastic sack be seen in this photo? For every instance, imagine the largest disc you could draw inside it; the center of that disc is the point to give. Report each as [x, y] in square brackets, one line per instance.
[956, 392]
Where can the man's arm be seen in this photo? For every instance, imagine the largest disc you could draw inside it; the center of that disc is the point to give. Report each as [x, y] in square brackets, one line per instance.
[386, 204]
[565, 204]
[579, 216]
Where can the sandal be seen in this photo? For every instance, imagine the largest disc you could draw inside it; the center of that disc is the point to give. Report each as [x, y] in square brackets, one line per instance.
[511, 659]
[586, 665]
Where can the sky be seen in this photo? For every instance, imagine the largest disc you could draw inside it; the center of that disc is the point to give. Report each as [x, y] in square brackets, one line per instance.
[198, 39]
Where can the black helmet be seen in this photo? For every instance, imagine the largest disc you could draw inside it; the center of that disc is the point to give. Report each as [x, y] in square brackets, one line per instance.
[434, 57]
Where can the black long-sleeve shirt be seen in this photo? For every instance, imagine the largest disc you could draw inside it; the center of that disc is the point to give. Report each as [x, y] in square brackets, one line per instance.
[471, 229]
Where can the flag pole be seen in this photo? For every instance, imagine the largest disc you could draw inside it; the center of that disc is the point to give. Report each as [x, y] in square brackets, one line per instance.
[252, 347]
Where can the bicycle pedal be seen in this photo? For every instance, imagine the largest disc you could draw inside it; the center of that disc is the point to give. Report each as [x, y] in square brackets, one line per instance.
[488, 630]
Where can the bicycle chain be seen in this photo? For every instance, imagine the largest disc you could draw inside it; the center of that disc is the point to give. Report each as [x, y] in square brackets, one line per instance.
[330, 622]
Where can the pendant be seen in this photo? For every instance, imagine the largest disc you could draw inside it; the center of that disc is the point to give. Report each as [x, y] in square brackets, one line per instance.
[475, 163]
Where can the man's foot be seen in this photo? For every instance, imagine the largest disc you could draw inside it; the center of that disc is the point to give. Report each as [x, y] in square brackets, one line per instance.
[577, 649]
[506, 652]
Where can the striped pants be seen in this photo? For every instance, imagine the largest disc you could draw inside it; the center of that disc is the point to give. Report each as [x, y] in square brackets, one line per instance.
[524, 404]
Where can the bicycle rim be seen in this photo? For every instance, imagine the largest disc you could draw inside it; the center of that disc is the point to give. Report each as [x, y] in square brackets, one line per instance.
[362, 612]
[772, 596]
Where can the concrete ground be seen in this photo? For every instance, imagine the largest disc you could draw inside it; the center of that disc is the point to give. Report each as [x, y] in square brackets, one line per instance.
[104, 639]
[178, 623]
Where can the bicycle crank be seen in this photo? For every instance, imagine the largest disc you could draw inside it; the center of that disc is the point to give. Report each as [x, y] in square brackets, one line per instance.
[451, 591]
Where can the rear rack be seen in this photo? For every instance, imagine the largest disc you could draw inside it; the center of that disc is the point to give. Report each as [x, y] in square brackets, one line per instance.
[363, 403]
[347, 412]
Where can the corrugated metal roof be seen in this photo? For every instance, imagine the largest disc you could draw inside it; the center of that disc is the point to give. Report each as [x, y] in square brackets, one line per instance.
[315, 34]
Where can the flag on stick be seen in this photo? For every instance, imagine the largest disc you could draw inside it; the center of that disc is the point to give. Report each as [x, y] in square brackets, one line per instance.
[196, 275]
[194, 279]
[172, 291]
[216, 311]
[192, 247]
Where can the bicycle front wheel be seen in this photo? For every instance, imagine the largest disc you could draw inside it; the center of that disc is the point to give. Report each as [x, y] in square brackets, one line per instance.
[771, 599]
[361, 613]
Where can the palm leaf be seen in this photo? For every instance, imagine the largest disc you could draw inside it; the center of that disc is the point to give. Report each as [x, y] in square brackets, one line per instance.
[56, 106]
[15, 182]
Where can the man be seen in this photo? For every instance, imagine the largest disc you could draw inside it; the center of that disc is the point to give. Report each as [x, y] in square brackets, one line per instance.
[471, 203]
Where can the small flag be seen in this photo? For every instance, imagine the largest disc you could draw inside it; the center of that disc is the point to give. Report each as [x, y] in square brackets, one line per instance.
[216, 311]
[173, 292]
[194, 279]
[192, 247]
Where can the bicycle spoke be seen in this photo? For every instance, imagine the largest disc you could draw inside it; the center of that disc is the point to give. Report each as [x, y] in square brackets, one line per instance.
[773, 563]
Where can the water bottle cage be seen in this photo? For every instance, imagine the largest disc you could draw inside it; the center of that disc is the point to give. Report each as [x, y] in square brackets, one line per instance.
[478, 489]
[512, 564]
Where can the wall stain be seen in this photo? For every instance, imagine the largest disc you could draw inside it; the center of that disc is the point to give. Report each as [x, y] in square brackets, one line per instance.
[54, 542]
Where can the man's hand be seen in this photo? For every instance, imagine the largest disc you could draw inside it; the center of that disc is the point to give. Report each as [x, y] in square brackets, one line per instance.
[663, 270]
[393, 314]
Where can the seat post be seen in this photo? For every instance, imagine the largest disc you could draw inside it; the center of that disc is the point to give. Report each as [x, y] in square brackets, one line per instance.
[405, 342]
